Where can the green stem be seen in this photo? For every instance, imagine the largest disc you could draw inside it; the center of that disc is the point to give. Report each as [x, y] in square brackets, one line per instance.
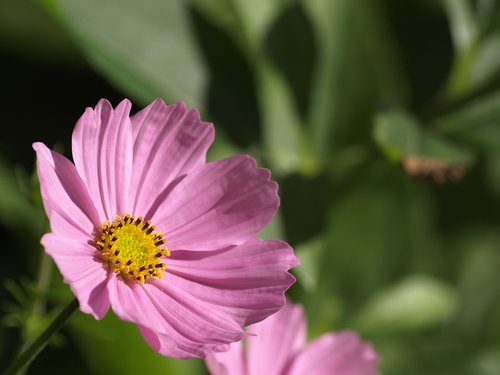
[36, 346]
[43, 284]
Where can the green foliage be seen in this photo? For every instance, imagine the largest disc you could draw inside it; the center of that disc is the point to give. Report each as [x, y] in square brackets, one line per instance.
[413, 304]
[400, 136]
[379, 119]
[117, 36]
[115, 347]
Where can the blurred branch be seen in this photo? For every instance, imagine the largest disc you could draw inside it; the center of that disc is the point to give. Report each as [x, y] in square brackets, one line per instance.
[36, 346]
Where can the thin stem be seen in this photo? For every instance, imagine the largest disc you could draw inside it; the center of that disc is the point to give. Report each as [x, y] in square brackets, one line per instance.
[36, 346]
[43, 283]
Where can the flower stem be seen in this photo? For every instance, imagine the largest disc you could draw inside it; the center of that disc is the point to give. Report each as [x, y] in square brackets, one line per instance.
[36, 346]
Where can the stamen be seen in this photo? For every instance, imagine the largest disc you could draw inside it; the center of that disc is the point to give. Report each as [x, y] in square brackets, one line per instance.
[132, 248]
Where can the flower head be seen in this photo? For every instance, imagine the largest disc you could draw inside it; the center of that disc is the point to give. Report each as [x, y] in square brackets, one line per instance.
[142, 224]
[279, 348]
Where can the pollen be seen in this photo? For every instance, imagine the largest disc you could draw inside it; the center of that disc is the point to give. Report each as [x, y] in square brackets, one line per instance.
[133, 248]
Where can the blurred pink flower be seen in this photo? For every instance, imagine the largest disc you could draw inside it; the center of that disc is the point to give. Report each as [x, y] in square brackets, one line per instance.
[279, 348]
[140, 222]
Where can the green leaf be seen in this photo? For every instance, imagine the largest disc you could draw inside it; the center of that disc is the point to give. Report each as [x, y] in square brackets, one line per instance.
[275, 229]
[309, 254]
[373, 230]
[463, 24]
[401, 136]
[112, 346]
[248, 22]
[16, 210]
[476, 123]
[415, 303]
[28, 29]
[146, 48]
[356, 62]
[478, 280]
[281, 124]
[487, 63]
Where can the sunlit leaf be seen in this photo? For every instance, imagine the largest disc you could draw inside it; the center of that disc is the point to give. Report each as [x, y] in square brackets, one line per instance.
[146, 48]
[414, 303]
[282, 128]
[487, 63]
[463, 23]
[476, 123]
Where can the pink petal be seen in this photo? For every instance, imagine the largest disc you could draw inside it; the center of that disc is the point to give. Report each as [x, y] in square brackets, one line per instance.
[245, 282]
[277, 340]
[228, 363]
[85, 274]
[341, 353]
[165, 345]
[173, 323]
[222, 203]
[65, 197]
[102, 151]
[169, 141]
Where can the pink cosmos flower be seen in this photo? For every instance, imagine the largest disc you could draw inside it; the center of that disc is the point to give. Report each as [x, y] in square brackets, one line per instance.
[142, 224]
[279, 348]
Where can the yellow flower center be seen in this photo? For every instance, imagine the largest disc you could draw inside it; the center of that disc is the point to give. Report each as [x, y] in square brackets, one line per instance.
[133, 248]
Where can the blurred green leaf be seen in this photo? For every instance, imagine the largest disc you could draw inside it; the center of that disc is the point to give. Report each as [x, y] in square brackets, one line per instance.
[281, 125]
[487, 63]
[28, 29]
[248, 22]
[222, 147]
[16, 210]
[463, 24]
[479, 284]
[477, 56]
[414, 303]
[380, 229]
[309, 254]
[146, 48]
[112, 346]
[345, 86]
[486, 363]
[476, 123]
[256, 17]
[492, 168]
[275, 229]
[402, 138]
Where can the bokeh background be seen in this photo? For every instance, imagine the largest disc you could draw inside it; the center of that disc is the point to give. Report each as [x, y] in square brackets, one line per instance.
[380, 119]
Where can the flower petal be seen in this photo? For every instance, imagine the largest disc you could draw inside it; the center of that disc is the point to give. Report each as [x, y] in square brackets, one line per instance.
[228, 363]
[169, 141]
[222, 203]
[173, 323]
[65, 197]
[277, 340]
[102, 151]
[81, 269]
[341, 353]
[245, 282]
